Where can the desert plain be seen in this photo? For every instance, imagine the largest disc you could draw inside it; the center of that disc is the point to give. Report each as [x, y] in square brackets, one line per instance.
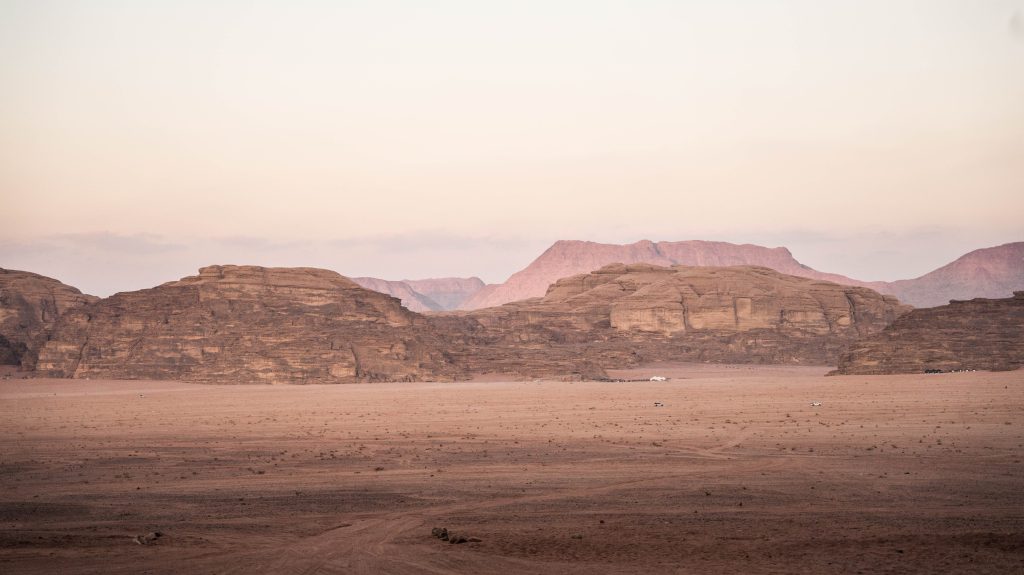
[719, 469]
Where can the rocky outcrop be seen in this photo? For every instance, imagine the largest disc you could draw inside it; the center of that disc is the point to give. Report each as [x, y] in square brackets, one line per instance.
[624, 315]
[247, 324]
[976, 334]
[426, 295]
[991, 272]
[29, 306]
[566, 258]
[988, 273]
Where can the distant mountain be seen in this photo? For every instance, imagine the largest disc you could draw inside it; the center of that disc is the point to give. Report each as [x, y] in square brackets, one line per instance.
[449, 293]
[411, 299]
[991, 272]
[570, 257]
[436, 294]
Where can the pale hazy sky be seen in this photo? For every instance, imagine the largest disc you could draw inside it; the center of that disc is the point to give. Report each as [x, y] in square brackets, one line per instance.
[140, 140]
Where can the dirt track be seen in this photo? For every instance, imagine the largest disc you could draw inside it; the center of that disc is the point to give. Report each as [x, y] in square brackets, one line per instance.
[737, 472]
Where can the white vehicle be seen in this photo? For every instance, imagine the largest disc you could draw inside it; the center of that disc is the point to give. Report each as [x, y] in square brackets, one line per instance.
[659, 378]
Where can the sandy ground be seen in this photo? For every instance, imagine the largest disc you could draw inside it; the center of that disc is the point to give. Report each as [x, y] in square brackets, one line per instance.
[735, 473]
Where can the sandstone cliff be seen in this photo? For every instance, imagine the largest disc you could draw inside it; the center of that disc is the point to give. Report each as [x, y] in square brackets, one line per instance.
[434, 294]
[29, 306]
[975, 334]
[566, 258]
[629, 314]
[247, 324]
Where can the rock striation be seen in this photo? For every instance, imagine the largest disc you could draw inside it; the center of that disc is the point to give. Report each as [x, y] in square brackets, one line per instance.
[622, 315]
[435, 294]
[248, 324]
[30, 304]
[976, 334]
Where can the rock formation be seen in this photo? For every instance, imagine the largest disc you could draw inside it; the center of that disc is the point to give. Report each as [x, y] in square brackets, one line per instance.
[247, 324]
[426, 295]
[976, 334]
[566, 258]
[29, 306]
[989, 273]
[992, 272]
[624, 315]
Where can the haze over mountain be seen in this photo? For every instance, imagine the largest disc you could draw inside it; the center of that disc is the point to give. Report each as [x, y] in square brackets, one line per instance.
[995, 272]
[436, 294]
[990, 272]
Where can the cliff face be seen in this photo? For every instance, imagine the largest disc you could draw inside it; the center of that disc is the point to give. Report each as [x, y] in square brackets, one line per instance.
[426, 295]
[30, 304]
[247, 324]
[567, 258]
[628, 314]
[977, 334]
[988, 273]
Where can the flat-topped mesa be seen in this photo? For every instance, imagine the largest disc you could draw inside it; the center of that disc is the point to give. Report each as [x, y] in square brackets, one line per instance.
[248, 324]
[981, 333]
[624, 314]
[30, 304]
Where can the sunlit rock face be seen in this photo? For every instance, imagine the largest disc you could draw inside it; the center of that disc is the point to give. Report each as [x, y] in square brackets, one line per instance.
[248, 324]
[628, 314]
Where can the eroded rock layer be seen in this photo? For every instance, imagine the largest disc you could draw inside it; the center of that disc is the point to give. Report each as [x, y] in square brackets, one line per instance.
[247, 324]
[234, 324]
[976, 334]
[29, 306]
[624, 315]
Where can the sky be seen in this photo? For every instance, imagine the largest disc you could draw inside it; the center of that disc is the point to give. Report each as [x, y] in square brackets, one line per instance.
[878, 139]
